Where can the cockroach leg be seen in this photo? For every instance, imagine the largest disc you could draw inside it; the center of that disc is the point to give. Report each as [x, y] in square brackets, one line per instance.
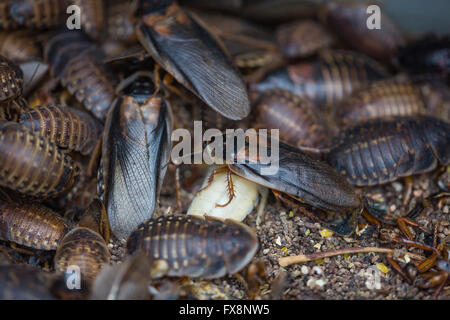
[408, 190]
[230, 188]
[264, 194]
[279, 196]
[397, 267]
[211, 177]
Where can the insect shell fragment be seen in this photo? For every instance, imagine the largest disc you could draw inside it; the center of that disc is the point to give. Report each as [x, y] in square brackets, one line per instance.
[186, 50]
[84, 248]
[68, 127]
[32, 165]
[294, 175]
[31, 225]
[381, 99]
[381, 151]
[214, 194]
[136, 150]
[78, 64]
[296, 118]
[194, 246]
[325, 79]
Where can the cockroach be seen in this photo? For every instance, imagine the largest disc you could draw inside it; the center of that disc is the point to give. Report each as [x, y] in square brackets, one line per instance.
[381, 99]
[12, 110]
[6, 21]
[296, 118]
[381, 151]
[32, 165]
[136, 150]
[93, 17]
[349, 22]
[333, 75]
[188, 52]
[67, 127]
[19, 46]
[31, 225]
[39, 14]
[78, 64]
[303, 38]
[11, 80]
[84, 248]
[194, 246]
[21, 282]
[295, 177]
[427, 58]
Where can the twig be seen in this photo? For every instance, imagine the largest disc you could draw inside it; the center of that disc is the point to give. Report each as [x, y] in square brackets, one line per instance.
[286, 261]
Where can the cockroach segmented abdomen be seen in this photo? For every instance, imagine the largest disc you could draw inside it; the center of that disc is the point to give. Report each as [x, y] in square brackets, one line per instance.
[12, 110]
[31, 225]
[32, 165]
[380, 151]
[195, 247]
[11, 77]
[69, 128]
[39, 14]
[84, 248]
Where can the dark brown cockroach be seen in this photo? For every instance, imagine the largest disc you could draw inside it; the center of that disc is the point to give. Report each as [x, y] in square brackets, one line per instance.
[381, 151]
[194, 246]
[11, 80]
[31, 225]
[19, 46]
[333, 75]
[21, 282]
[427, 58]
[303, 38]
[296, 118]
[381, 99]
[188, 52]
[39, 14]
[78, 64]
[119, 26]
[93, 17]
[349, 22]
[68, 127]
[84, 248]
[11, 110]
[6, 21]
[294, 177]
[32, 165]
[136, 150]
[437, 99]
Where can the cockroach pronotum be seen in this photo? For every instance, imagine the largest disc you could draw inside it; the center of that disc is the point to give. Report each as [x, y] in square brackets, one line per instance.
[194, 246]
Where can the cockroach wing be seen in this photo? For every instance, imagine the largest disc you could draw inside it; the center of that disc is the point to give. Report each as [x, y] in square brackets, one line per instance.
[310, 181]
[194, 58]
[131, 166]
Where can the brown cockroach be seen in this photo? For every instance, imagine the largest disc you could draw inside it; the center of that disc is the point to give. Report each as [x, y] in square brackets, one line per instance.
[32, 165]
[11, 77]
[381, 151]
[194, 246]
[349, 21]
[39, 14]
[78, 64]
[303, 38]
[381, 99]
[19, 46]
[298, 122]
[84, 248]
[68, 127]
[31, 225]
[333, 75]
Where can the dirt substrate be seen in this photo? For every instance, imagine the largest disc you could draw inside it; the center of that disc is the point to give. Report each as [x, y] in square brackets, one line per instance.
[285, 232]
